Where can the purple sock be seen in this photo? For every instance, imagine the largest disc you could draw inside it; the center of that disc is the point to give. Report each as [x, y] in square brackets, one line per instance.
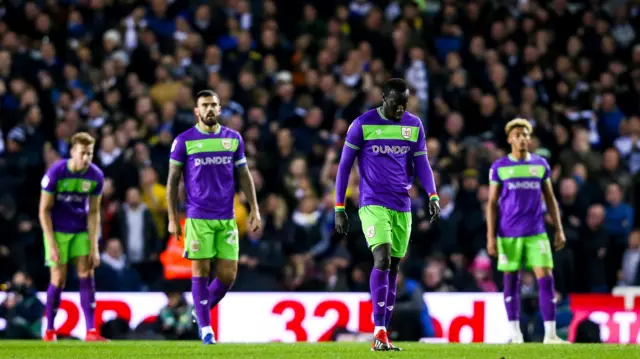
[512, 295]
[201, 300]
[391, 299]
[53, 302]
[379, 284]
[87, 301]
[217, 291]
[546, 297]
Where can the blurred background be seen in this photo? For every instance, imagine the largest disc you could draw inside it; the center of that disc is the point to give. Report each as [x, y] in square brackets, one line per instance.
[291, 76]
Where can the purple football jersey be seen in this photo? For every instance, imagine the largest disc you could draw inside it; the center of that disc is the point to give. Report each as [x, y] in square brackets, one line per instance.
[209, 160]
[386, 151]
[71, 191]
[521, 196]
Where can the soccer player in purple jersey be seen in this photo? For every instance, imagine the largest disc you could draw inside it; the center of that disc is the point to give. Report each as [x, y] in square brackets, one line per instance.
[70, 218]
[518, 182]
[390, 146]
[207, 155]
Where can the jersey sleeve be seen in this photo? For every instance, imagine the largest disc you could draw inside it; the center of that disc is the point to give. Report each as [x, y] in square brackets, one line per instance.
[178, 154]
[494, 178]
[355, 138]
[421, 145]
[239, 159]
[49, 181]
[547, 170]
[97, 191]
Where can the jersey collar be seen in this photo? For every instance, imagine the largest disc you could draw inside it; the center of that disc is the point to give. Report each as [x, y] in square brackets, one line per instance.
[526, 158]
[75, 172]
[381, 114]
[217, 131]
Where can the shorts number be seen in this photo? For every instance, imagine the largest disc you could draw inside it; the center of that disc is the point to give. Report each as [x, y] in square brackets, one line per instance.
[544, 246]
[233, 237]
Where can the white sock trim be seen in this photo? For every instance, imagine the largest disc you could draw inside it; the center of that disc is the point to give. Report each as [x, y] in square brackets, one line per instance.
[550, 329]
[376, 329]
[206, 330]
[515, 327]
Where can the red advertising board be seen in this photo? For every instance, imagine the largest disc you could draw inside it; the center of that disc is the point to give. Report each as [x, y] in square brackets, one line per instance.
[617, 315]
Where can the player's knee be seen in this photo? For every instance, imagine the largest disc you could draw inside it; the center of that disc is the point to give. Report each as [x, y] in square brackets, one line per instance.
[84, 273]
[227, 277]
[227, 273]
[382, 257]
[381, 261]
[395, 266]
[58, 278]
[58, 282]
[541, 272]
[199, 270]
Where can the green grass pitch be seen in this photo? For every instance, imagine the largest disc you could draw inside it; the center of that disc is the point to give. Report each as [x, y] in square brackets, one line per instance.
[195, 350]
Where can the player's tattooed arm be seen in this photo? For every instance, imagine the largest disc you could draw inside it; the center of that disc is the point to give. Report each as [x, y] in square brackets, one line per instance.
[492, 207]
[249, 190]
[173, 185]
[552, 207]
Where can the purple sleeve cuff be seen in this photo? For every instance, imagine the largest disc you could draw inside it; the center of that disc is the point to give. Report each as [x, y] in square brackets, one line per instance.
[425, 174]
[344, 170]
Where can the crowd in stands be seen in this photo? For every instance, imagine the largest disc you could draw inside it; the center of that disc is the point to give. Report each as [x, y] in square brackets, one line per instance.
[291, 76]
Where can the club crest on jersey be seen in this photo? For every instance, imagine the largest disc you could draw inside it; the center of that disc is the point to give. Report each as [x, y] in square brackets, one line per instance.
[371, 231]
[406, 132]
[195, 246]
[226, 143]
[533, 171]
[85, 186]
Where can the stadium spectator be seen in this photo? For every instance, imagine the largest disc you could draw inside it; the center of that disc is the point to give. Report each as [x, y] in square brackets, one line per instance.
[135, 227]
[114, 273]
[21, 309]
[629, 275]
[481, 270]
[260, 263]
[411, 318]
[174, 321]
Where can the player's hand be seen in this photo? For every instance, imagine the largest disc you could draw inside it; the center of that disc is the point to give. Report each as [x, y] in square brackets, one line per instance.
[560, 240]
[175, 229]
[434, 211]
[54, 255]
[94, 259]
[342, 222]
[492, 246]
[254, 221]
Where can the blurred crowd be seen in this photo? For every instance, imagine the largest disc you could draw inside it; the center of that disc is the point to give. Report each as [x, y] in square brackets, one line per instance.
[291, 76]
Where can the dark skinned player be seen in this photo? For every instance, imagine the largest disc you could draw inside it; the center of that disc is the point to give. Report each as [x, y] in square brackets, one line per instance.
[390, 146]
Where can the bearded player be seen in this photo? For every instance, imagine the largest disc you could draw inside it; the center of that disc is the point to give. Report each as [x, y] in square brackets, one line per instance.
[518, 182]
[208, 155]
[390, 146]
[70, 219]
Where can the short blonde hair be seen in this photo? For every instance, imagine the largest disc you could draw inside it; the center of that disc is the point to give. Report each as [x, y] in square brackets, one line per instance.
[82, 138]
[517, 122]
